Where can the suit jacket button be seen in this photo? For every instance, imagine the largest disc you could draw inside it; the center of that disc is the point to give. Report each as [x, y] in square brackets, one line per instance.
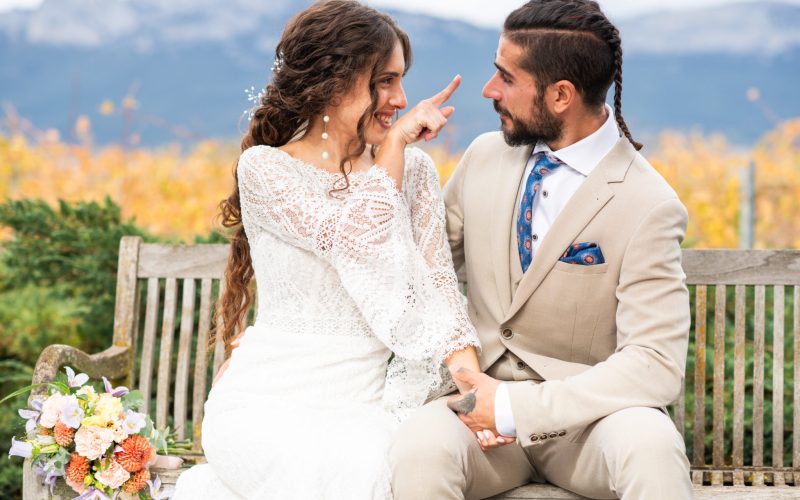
[562, 433]
[534, 438]
[543, 436]
[553, 435]
[507, 333]
[520, 365]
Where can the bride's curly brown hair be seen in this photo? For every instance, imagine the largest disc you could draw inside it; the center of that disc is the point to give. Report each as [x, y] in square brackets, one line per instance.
[323, 51]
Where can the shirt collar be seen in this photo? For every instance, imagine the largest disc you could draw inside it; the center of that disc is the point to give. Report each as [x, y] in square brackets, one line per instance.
[584, 155]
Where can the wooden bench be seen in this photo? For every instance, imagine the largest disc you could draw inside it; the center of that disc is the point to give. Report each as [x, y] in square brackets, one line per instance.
[165, 299]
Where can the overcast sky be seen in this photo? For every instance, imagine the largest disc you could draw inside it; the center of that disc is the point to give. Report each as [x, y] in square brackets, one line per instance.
[475, 11]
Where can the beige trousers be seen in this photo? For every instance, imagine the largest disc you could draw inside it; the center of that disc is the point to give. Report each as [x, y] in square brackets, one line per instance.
[635, 453]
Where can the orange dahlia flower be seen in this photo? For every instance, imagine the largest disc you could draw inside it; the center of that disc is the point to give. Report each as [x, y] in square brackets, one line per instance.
[137, 481]
[63, 434]
[77, 468]
[136, 452]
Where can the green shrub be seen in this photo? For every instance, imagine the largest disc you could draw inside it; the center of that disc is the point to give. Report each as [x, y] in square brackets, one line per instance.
[71, 250]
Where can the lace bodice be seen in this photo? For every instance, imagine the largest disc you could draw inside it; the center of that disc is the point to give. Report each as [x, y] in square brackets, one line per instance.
[369, 261]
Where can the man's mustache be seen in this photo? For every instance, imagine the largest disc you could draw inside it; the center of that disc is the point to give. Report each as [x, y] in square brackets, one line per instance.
[499, 109]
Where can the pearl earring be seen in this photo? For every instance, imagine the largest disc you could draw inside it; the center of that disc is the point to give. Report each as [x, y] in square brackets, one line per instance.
[325, 120]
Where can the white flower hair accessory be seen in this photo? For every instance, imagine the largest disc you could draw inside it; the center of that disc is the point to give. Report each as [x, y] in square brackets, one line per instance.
[254, 99]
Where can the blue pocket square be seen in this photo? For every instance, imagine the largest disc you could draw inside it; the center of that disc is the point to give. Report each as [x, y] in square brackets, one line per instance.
[583, 254]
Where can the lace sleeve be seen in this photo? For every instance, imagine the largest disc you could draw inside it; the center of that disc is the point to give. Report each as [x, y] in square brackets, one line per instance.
[430, 235]
[410, 382]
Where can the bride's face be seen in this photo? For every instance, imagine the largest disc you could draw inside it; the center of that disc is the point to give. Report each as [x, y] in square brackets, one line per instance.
[391, 98]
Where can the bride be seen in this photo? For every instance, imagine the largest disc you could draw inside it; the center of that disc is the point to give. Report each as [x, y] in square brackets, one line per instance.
[343, 228]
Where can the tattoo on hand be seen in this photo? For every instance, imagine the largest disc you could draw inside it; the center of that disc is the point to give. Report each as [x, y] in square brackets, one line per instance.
[464, 405]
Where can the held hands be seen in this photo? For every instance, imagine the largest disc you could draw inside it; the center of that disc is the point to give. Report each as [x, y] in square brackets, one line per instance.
[426, 119]
[476, 407]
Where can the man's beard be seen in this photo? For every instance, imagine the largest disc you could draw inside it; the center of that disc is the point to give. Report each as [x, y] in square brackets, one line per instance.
[543, 126]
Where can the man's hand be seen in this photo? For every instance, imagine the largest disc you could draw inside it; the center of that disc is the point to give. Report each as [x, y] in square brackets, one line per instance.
[476, 407]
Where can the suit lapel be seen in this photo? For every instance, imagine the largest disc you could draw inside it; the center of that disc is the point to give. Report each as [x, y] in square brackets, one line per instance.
[589, 199]
[512, 167]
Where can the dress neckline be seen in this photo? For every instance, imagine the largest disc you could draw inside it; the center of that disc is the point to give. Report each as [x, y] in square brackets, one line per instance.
[311, 166]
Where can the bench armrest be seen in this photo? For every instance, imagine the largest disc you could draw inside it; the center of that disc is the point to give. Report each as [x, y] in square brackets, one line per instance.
[113, 363]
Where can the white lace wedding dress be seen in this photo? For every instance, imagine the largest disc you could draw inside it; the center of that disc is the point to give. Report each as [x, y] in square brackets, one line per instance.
[307, 407]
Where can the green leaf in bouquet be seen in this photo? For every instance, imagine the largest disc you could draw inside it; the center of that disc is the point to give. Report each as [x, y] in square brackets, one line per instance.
[60, 387]
[133, 400]
[60, 460]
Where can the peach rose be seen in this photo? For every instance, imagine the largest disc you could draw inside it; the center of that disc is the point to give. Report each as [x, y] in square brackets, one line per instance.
[113, 475]
[92, 442]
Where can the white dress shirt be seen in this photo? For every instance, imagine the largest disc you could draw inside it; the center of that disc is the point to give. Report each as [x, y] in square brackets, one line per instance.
[557, 188]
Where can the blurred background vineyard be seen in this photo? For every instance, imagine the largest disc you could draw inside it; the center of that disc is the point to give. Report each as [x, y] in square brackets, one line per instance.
[172, 191]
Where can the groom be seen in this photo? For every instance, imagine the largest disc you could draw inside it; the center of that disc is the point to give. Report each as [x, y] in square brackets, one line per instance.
[570, 241]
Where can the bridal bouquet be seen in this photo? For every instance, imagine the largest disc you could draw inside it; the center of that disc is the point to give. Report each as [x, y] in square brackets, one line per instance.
[99, 443]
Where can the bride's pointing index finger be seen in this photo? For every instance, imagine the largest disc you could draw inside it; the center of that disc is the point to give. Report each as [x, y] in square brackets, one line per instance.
[445, 94]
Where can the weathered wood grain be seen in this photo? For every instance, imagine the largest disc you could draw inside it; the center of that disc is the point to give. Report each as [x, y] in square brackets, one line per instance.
[699, 435]
[149, 341]
[718, 393]
[742, 267]
[777, 377]
[758, 378]
[126, 293]
[796, 382]
[738, 379]
[184, 358]
[165, 356]
[183, 261]
[219, 345]
[201, 361]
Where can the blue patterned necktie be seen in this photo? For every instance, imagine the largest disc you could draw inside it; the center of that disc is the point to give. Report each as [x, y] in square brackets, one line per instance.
[543, 164]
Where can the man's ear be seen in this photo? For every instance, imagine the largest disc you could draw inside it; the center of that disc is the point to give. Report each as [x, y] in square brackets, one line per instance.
[561, 96]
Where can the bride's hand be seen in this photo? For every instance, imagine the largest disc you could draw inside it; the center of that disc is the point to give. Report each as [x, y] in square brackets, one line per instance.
[426, 119]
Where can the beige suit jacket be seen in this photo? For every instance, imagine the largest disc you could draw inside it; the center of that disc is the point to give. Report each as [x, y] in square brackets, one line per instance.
[602, 337]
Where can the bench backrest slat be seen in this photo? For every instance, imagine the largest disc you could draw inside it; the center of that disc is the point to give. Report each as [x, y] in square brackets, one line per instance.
[758, 377]
[201, 360]
[149, 340]
[739, 375]
[165, 355]
[718, 394]
[699, 436]
[777, 376]
[796, 380]
[184, 355]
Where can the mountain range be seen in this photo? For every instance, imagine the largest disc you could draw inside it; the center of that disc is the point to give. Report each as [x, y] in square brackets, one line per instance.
[188, 62]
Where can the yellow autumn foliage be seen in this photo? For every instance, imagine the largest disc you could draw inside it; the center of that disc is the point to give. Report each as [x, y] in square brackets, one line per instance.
[174, 192]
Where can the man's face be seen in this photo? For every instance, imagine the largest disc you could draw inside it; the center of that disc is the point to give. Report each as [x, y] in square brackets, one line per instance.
[524, 117]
